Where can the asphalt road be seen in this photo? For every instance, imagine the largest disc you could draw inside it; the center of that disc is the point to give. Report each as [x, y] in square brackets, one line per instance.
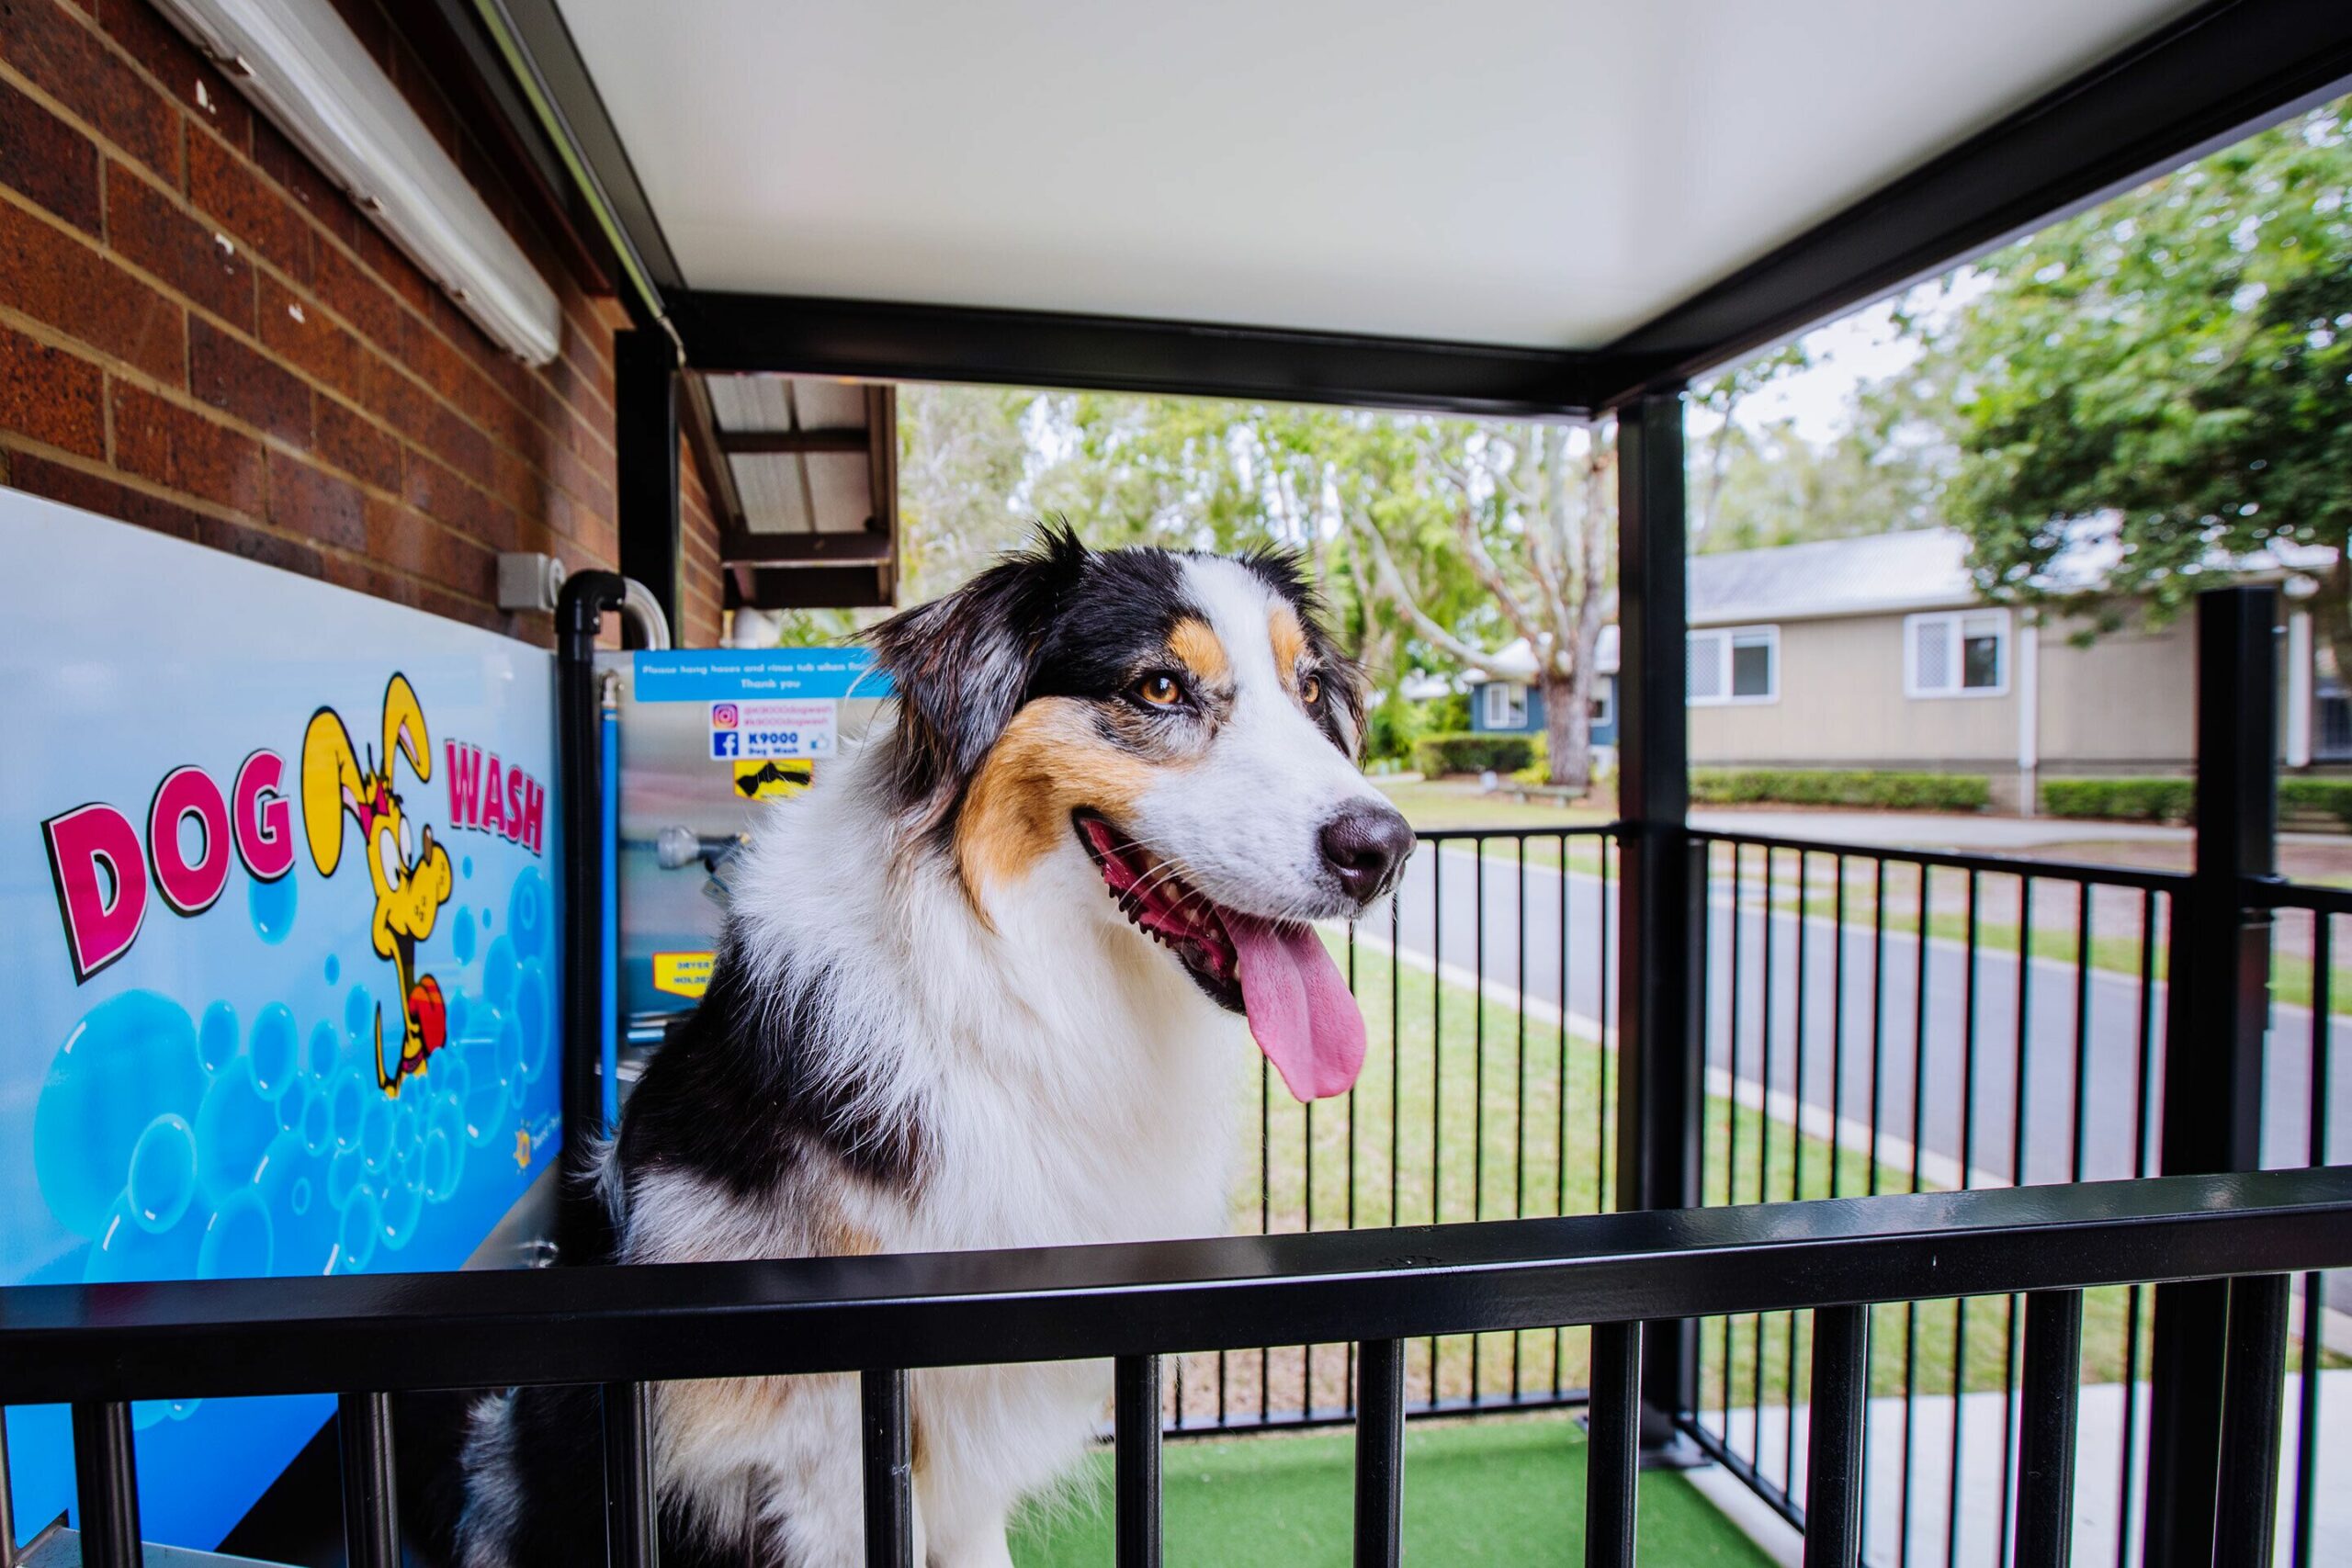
[1866, 1023]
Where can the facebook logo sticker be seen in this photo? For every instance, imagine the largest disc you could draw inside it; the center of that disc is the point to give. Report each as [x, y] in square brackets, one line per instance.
[726, 743]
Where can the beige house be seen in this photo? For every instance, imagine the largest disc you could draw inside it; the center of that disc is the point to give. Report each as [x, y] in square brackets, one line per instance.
[1877, 652]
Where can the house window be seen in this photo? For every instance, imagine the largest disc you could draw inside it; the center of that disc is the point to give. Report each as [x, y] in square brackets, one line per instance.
[1506, 703]
[1734, 664]
[1962, 653]
[1603, 711]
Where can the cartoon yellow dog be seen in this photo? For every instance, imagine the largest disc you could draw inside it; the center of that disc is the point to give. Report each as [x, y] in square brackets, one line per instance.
[411, 877]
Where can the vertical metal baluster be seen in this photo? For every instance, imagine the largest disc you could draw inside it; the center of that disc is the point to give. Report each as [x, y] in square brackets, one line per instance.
[1380, 1453]
[632, 1513]
[2018, 1111]
[1833, 1511]
[1838, 1026]
[2129, 1464]
[1919, 1148]
[888, 1470]
[106, 1485]
[371, 1527]
[1518, 1103]
[1560, 1163]
[1612, 1446]
[2314, 1284]
[7, 1497]
[1796, 1173]
[1603, 916]
[1348, 1374]
[2053, 1362]
[1307, 1352]
[1477, 1067]
[1437, 1068]
[1967, 1175]
[1878, 1018]
[1134, 1440]
[2252, 1397]
[1265, 1217]
[2080, 1163]
[1763, 1150]
[1397, 1041]
[1731, 1117]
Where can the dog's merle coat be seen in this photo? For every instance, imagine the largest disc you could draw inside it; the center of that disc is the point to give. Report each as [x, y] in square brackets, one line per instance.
[928, 1028]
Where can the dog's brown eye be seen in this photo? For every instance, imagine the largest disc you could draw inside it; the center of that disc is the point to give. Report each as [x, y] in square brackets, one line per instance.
[1159, 691]
[1310, 690]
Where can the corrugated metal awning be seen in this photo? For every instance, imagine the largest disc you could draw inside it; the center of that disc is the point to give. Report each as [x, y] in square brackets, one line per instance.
[815, 468]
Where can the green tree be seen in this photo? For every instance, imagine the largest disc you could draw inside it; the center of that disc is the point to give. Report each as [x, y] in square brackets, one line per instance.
[2169, 369]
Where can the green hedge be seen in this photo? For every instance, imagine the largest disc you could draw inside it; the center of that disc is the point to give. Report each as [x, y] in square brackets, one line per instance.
[2122, 800]
[1466, 752]
[2316, 797]
[1840, 786]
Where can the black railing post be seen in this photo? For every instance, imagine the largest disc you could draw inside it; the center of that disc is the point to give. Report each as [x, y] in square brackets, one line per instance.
[1136, 1462]
[580, 614]
[106, 1486]
[645, 434]
[371, 1529]
[2218, 1007]
[1380, 1453]
[1660, 949]
[889, 1468]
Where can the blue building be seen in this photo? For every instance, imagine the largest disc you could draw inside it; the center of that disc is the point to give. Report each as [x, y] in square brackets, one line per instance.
[1505, 700]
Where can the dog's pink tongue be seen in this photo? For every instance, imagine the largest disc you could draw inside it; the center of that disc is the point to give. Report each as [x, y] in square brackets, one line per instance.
[1301, 1012]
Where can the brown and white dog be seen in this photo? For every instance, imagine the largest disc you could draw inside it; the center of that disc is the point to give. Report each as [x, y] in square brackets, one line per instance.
[979, 987]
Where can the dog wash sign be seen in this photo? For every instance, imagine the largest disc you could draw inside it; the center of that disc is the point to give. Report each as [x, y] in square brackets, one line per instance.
[278, 869]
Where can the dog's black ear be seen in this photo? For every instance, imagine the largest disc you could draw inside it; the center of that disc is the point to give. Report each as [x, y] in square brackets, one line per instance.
[962, 664]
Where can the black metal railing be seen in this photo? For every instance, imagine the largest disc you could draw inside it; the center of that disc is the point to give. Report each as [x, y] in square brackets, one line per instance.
[101, 1347]
[1893, 1021]
[1488, 1093]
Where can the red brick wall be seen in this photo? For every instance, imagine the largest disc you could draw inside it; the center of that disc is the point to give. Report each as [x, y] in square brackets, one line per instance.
[200, 334]
[701, 593]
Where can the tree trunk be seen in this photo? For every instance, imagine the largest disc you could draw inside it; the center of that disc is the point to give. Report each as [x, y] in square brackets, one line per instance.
[1567, 729]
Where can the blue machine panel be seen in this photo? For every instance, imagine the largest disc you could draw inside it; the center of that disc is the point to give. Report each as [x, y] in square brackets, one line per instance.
[277, 864]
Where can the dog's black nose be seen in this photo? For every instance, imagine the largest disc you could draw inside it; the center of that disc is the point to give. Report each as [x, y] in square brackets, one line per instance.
[1366, 845]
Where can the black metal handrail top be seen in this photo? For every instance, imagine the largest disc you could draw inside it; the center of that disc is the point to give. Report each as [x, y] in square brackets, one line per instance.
[2278, 893]
[1564, 831]
[207, 1338]
[1954, 860]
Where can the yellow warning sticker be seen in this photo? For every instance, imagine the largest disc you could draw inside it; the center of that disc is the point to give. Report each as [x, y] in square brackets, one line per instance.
[683, 974]
[773, 778]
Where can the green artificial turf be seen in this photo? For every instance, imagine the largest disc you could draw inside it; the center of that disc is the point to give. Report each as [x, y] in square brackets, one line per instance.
[1497, 1492]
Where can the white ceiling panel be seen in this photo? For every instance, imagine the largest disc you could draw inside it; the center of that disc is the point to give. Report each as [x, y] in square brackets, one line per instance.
[1508, 171]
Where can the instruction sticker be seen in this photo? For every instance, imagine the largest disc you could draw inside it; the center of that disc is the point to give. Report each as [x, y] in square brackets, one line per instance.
[683, 974]
[772, 780]
[751, 731]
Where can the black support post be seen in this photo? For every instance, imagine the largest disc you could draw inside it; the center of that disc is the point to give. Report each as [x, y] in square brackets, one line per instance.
[1380, 1453]
[106, 1485]
[371, 1530]
[632, 1512]
[1662, 923]
[578, 616]
[645, 427]
[2253, 1398]
[1136, 1412]
[2218, 1006]
[1612, 1483]
[890, 1466]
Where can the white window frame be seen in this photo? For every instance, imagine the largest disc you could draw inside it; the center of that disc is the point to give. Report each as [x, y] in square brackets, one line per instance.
[1514, 700]
[1723, 638]
[1956, 621]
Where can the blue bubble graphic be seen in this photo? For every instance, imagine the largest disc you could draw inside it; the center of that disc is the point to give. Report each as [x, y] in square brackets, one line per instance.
[533, 1016]
[335, 968]
[291, 1186]
[237, 1243]
[216, 1037]
[127, 1250]
[359, 1013]
[442, 1161]
[466, 868]
[320, 1051]
[294, 1105]
[130, 1059]
[318, 1123]
[146, 1413]
[459, 1011]
[274, 1050]
[485, 918]
[403, 1207]
[233, 1131]
[271, 904]
[163, 1173]
[345, 1175]
[362, 1220]
[510, 1059]
[526, 913]
[376, 1134]
[498, 972]
[408, 1126]
[350, 1094]
[461, 936]
[486, 1096]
